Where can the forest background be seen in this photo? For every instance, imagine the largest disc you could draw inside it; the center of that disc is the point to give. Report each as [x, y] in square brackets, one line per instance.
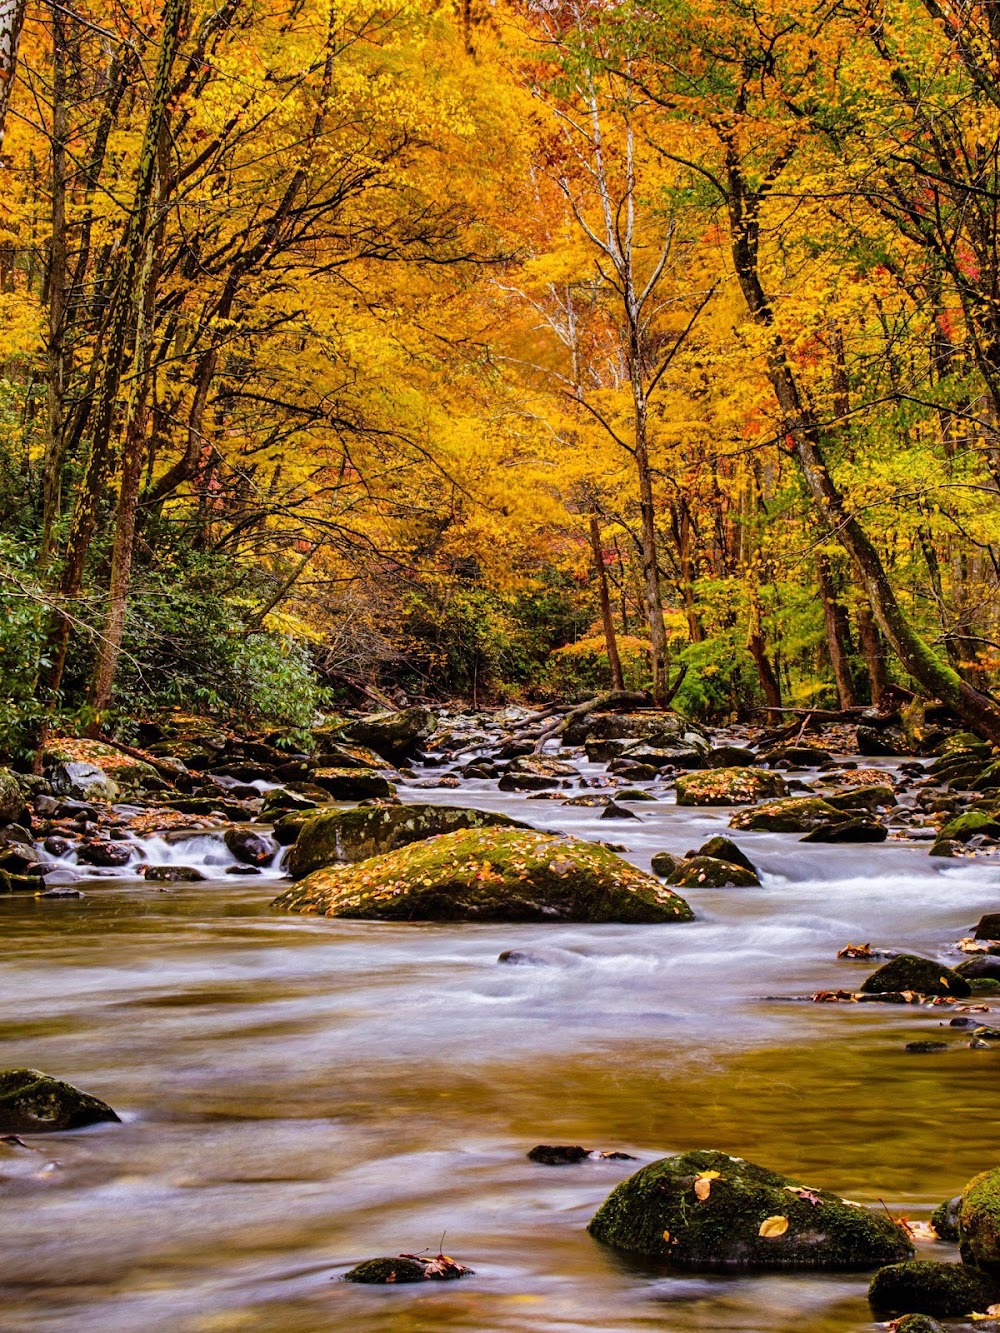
[498, 352]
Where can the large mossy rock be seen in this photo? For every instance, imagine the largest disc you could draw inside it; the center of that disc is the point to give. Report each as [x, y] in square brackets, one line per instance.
[921, 1286]
[92, 771]
[971, 824]
[336, 836]
[333, 752]
[710, 872]
[910, 973]
[353, 784]
[705, 1209]
[392, 735]
[11, 798]
[796, 814]
[979, 1221]
[669, 730]
[490, 874]
[729, 786]
[34, 1103]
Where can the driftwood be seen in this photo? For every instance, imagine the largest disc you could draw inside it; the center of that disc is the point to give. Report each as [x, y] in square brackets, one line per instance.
[368, 691]
[164, 770]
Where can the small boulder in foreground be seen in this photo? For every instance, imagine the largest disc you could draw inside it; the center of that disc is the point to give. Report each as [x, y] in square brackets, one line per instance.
[704, 1209]
[922, 1286]
[490, 874]
[34, 1103]
[407, 1268]
[910, 973]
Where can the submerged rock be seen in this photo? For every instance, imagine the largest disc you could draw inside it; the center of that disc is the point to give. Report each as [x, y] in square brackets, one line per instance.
[729, 786]
[918, 1323]
[944, 1218]
[407, 1268]
[979, 1221]
[35, 1103]
[704, 1209]
[561, 1155]
[921, 1286]
[665, 863]
[249, 848]
[910, 973]
[490, 874]
[354, 835]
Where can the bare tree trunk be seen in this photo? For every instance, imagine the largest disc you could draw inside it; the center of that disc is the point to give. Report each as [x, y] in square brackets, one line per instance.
[837, 636]
[607, 616]
[652, 592]
[874, 653]
[11, 22]
[52, 464]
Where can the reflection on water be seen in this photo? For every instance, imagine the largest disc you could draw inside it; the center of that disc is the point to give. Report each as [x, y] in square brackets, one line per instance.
[301, 1094]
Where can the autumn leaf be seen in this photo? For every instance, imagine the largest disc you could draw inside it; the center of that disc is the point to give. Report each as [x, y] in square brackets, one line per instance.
[703, 1184]
[810, 1196]
[773, 1226]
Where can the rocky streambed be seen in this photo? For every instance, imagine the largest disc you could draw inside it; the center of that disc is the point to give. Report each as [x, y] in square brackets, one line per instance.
[299, 1094]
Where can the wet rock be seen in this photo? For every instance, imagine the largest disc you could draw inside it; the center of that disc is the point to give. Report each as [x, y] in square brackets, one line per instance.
[944, 1218]
[407, 1268]
[35, 1103]
[172, 874]
[448, 782]
[392, 735]
[18, 883]
[281, 800]
[676, 1209]
[983, 965]
[921, 1286]
[795, 814]
[99, 853]
[242, 870]
[858, 829]
[910, 973]
[656, 756]
[235, 811]
[615, 811]
[799, 756]
[632, 771]
[481, 771]
[873, 742]
[946, 847]
[288, 827]
[653, 726]
[561, 1155]
[969, 825]
[490, 874]
[724, 849]
[634, 794]
[731, 756]
[250, 848]
[869, 797]
[665, 863]
[988, 927]
[354, 835]
[11, 797]
[63, 891]
[918, 1323]
[925, 1047]
[93, 771]
[728, 786]
[352, 784]
[532, 958]
[332, 752]
[56, 846]
[979, 1223]
[707, 872]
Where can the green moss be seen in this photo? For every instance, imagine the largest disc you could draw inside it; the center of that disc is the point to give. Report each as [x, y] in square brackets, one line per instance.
[387, 1271]
[797, 814]
[724, 849]
[922, 1286]
[869, 798]
[909, 973]
[918, 1323]
[729, 786]
[665, 863]
[33, 1103]
[708, 872]
[490, 874]
[11, 797]
[354, 835]
[658, 1213]
[968, 825]
[944, 1219]
[979, 1221]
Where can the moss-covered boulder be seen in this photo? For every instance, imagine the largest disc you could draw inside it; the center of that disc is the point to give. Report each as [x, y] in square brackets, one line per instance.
[871, 796]
[336, 836]
[334, 752]
[724, 849]
[944, 1218]
[796, 814]
[406, 1268]
[353, 784]
[705, 1209]
[11, 798]
[910, 973]
[35, 1103]
[921, 1286]
[969, 825]
[92, 771]
[729, 786]
[918, 1323]
[979, 1221]
[709, 872]
[665, 863]
[490, 874]
[392, 735]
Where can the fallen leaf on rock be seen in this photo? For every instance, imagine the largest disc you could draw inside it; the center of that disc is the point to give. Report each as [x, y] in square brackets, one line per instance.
[703, 1184]
[810, 1196]
[855, 951]
[773, 1226]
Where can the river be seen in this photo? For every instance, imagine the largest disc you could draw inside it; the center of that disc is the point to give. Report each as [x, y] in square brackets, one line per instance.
[301, 1094]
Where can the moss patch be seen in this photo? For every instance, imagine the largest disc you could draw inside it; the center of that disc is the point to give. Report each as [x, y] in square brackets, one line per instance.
[665, 1211]
[979, 1221]
[490, 874]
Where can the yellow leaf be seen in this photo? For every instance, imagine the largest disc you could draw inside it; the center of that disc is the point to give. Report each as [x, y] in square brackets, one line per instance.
[703, 1184]
[773, 1226]
[666, 1236]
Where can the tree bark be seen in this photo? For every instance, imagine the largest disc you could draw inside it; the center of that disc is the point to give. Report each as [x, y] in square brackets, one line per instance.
[607, 615]
[837, 633]
[11, 22]
[52, 464]
[874, 653]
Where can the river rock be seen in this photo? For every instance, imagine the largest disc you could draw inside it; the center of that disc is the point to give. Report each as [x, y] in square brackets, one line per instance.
[173, 874]
[983, 965]
[655, 726]
[250, 848]
[353, 784]
[92, 771]
[724, 849]
[921, 1286]
[35, 1103]
[729, 786]
[665, 863]
[632, 771]
[910, 973]
[988, 927]
[11, 798]
[100, 853]
[490, 874]
[731, 756]
[558, 1154]
[869, 796]
[379, 1272]
[874, 742]
[799, 756]
[857, 829]
[338, 753]
[391, 735]
[615, 811]
[944, 1219]
[281, 800]
[979, 1222]
[354, 835]
[708, 872]
[969, 825]
[705, 1209]
[796, 814]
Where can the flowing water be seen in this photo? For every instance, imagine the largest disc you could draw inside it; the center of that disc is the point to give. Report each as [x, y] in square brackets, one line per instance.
[300, 1094]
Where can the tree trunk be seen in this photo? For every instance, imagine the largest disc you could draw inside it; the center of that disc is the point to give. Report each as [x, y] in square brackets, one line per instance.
[52, 464]
[607, 616]
[652, 593]
[874, 653]
[11, 21]
[837, 634]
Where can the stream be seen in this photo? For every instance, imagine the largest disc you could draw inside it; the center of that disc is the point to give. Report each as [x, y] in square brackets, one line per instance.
[301, 1094]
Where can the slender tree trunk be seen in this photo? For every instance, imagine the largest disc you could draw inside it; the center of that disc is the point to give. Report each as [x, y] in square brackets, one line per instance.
[11, 22]
[607, 616]
[52, 464]
[874, 654]
[757, 646]
[650, 564]
[837, 634]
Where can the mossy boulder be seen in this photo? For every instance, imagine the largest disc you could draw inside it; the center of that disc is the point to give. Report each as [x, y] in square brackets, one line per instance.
[92, 771]
[11, 798]
[336, 836]
[979, 1221]
[709, 872]
[35, 1103]
[969, 825]
[353, 784]
[333, 752]
[910, 973]
[729, 786]
[796, 814]
[391, 735]
[918, 1323]
[381, 1272]
[921, 1286]
[490, 874]
[705, 1209]
[871, 796]
[724, 849]
[665, 863]
[944, 1218]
